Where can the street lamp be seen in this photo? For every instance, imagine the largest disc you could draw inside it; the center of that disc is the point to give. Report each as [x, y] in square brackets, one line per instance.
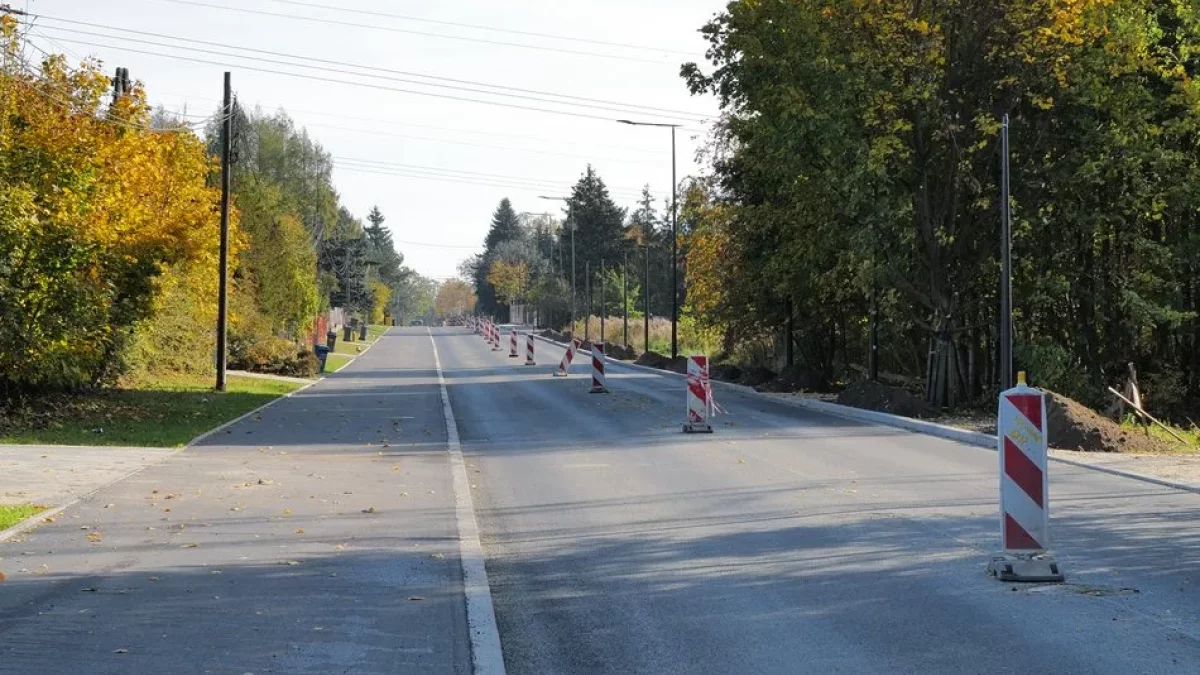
[674, 242]
[572, 222]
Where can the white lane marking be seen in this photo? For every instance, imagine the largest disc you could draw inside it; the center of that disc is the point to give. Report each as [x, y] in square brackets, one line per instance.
[486, 655]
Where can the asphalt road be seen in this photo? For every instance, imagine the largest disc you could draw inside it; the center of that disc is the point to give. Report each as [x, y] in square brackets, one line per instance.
[791, 542]
[786, 542]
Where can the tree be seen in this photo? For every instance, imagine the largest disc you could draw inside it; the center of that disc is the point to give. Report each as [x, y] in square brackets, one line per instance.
[454, 298]
[858, 149]
[509, 279]
[97, 214]
[382, 250]
[599, 224]
[505, 227]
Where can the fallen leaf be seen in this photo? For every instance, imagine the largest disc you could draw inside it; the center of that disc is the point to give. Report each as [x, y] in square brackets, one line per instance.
[287, 512]
[94, 536]
[369, 510]
[190, 545]
[299, 530]
[48, 519]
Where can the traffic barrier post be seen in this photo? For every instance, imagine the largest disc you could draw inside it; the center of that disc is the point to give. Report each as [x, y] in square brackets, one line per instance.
[699, 396]
[512, 344]
[599, 381]
[529, 350]
[1024, 488]
[564, 366]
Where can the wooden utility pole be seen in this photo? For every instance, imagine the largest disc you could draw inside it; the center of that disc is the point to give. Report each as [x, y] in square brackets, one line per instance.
[223, 287]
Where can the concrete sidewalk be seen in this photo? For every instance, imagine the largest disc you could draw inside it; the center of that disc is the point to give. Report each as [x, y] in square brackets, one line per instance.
[56, 474]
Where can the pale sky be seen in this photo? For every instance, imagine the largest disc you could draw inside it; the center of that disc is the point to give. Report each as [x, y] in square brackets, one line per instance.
[480, 152]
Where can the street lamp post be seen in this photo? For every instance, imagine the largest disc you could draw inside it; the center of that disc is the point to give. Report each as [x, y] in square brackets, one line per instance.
[674, 236]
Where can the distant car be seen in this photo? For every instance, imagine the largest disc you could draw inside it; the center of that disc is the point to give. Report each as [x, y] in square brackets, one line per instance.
[417, 322]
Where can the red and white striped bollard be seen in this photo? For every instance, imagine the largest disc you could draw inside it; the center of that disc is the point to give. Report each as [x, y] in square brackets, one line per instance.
[1022, 443]
[599, 381]
[512, 344]
[699, 396]
[529, 350]
[564, 366]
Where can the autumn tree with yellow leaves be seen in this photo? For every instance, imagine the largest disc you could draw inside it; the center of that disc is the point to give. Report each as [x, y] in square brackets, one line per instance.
[95, 208]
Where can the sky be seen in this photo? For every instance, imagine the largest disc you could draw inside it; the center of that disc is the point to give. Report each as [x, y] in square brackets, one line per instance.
[435, 164]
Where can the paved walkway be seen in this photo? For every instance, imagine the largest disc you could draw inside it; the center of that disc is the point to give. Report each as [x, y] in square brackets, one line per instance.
[54, 475]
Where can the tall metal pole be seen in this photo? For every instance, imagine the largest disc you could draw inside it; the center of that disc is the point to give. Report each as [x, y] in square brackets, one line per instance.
[587, 290]
[223, 284]
[646, 294]
[603, 307]
[625, 297]
[674, 258]
[1006, 322]
[570, 217]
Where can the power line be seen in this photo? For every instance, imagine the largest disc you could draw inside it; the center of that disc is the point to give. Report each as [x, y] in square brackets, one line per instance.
[416, 167]
[365, 85]
[461, 180]
[405, 31]
[475, 132]
[504, 89]
[493, 29]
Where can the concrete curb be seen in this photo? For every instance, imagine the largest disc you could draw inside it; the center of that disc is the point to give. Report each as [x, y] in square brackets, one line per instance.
[35, 520]
[973, 438]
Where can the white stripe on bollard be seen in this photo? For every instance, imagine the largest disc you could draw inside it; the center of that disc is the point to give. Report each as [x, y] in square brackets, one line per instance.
[599, 382]
[699, 396]
[564, 366]
[1024, 487]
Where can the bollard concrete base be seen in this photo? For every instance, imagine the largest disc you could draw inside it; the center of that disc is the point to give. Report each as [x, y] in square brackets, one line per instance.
[697, 428]
[1039, 568]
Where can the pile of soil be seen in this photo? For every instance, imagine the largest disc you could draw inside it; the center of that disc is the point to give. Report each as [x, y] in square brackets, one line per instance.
[726, 372]
[619, 352]
[1074, 426]
[653, 360]
[798, 378]
[876, 396]
[756, 376]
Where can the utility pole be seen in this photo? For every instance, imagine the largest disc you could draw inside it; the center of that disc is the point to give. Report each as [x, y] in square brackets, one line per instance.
[1006, 322]
[625, 296]
[646, 294]
[223, 287]
[603, 307]
[674, 256]
[587, 291]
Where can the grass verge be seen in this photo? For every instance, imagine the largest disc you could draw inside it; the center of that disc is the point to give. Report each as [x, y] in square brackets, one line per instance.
[353, 348]
[11, 514]
[335, 362]
[166, 412]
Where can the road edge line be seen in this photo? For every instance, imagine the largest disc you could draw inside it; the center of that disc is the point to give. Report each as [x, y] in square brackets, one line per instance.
[964, 436]
[487, 656]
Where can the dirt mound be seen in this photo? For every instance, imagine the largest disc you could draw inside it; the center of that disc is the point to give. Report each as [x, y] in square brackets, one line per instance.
[756, 376]
[726, 372]
[1074, 426]
[653, 360]
[875, 396]
[798, 378]
[619, 352]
